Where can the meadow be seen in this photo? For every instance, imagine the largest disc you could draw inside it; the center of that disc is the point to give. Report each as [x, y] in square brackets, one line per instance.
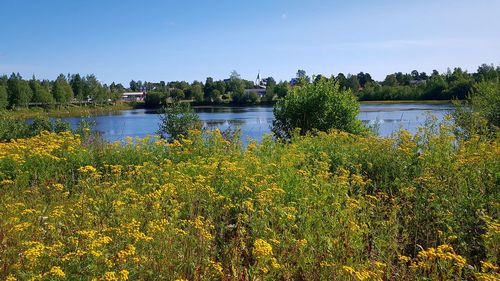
[328, 206]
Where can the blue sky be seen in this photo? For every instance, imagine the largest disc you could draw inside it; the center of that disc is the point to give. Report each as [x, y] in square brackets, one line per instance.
[120, 40]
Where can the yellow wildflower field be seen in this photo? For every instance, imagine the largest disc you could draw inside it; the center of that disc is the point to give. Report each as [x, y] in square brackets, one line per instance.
[334, 206]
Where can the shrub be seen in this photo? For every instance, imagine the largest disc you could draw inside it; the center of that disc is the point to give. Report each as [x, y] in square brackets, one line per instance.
[318, 106]
[176, 120]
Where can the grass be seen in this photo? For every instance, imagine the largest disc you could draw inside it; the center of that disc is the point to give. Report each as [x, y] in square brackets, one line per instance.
[334, 206]
[72, 110]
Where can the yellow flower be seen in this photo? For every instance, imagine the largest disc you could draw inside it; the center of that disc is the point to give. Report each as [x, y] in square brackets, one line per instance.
[87, 169]
[261, 248]
[217, 267]
[110, 276]
[11, 277]
[57, 271]
[124, 274]
[58, 187]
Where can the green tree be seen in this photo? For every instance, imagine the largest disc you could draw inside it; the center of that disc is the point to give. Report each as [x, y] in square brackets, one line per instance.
[220, 86]
[176, 120]
[234, 75]
[61, 90]
[177, 94]
[116, 91]
[319, 106]
[391, 80]
[18, 91]
[154, 99]
[92, 88]
[253, 97]
[353, 83]
[77, 85]
[481, 112]
[197, 91]
[41, 93]
[485, 100]
[4, 102]
[281, 89]
[269, 96]
[342, 81]
[302, 77]
[216, 96]
[208, 88]
[237, 88]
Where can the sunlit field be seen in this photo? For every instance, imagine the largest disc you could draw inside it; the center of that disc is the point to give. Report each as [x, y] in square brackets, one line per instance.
[334, 206]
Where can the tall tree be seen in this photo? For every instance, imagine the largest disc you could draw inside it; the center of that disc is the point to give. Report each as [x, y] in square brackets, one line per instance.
[4, 102]
[302, 78]
[208, 88]
[353, 82]
[61, 90]
[41, 93]
[77, 85]
[281, 89]
[342, 81]
[391, 80]
[18, 90]
[197, 91]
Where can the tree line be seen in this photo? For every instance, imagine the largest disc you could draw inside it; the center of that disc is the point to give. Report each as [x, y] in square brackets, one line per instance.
[17, 92]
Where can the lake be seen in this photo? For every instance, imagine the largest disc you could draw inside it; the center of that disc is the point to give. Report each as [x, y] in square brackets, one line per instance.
[254, 121]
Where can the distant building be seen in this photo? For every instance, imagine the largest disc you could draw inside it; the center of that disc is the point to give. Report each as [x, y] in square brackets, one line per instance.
[260, 92]
[294, 81]
[133, 96]
[260, 87]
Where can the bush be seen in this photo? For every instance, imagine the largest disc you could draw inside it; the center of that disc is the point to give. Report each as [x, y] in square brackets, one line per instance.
[11, 128]
[318, 106]
[176, 120]
[480, 114]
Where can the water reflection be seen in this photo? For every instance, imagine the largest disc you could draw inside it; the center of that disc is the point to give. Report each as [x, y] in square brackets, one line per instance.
[256, 121]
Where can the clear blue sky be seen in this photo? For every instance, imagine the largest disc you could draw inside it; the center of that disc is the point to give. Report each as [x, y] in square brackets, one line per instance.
[120, 40]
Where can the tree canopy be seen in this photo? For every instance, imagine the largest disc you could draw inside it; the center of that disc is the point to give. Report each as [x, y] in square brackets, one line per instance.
[321, 105]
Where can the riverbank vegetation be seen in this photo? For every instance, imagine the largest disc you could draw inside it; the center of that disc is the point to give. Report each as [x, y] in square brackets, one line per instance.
[320, 206]
[78, 90]
[333, 206]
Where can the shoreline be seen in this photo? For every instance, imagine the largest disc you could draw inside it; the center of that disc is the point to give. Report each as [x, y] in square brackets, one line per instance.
[79, 111]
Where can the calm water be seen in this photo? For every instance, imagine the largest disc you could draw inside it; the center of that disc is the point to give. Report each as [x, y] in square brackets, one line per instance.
[257, 120]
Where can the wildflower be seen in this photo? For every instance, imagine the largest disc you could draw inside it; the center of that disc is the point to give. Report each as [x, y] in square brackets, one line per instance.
[57, 271]
[217, 267]
[261, 248]
[301, 243]
[11, 277]
[110, 276]
[124, 274]
[275, 264]
[58, 187]
[87, 169]
[404, 259]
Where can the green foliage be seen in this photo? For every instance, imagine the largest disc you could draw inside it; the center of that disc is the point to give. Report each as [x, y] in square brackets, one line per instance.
[335, 206]
[197, 92]
[215, 96]
[177, 94]
[154, 99]
[62, 91]
[176, 120]
[41, 92]
[485, 100]
[11, 128]
[4, 102]
[480, 114]
[319, 106]
[19, 92]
